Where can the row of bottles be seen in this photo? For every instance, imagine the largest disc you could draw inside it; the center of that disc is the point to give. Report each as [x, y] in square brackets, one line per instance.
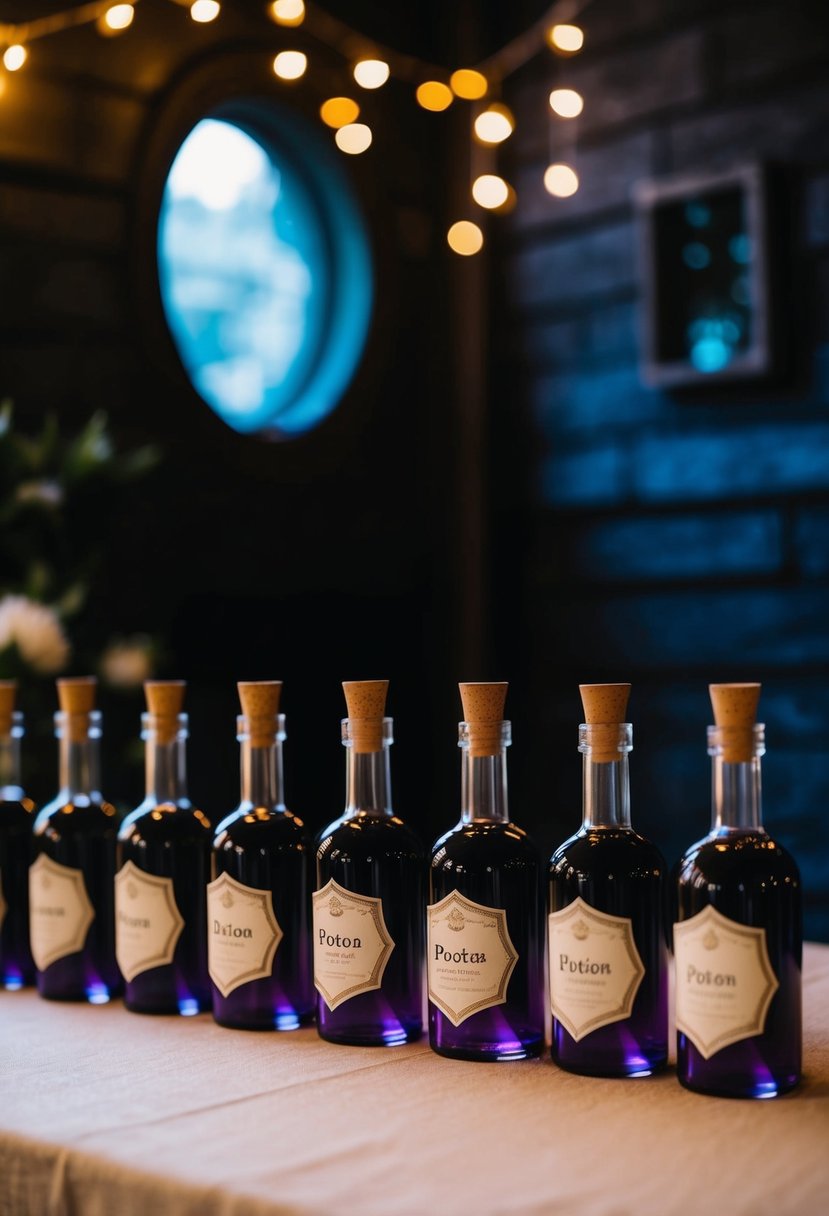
[290, 933]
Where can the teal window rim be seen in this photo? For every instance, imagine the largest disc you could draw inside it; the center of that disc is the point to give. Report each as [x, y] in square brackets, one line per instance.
[291, 141]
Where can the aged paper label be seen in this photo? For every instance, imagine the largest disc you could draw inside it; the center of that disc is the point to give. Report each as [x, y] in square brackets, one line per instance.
[60, 911]
[470, 956]
[595, 968]
[243, 933]
[351, 943]
[148, 923]
[724, 980]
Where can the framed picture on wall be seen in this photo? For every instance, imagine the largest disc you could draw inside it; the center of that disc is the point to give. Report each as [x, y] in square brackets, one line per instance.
[704, 270]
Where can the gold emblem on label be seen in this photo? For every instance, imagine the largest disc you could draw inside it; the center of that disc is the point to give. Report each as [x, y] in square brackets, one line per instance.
[580, 931]
[455, 920]
[710, 941]
[132, 890]
[335, 908]
[227, 900]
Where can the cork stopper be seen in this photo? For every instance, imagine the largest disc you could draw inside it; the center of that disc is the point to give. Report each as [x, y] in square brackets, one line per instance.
[260, 705]
[8, 696]
[366, 703]
[605, 709]
[76, 696]
[483, 711]
[165, 699]
[735, 713]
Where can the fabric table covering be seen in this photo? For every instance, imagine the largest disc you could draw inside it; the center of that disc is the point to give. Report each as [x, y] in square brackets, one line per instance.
[108, 1113]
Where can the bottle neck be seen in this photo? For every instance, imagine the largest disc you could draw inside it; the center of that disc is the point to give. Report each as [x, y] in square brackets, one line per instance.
[605, 793]
[165, 769]
[261, 770]
[9, 764]
[79, 768]
[735, 794]
[484, 787]
[368, 781]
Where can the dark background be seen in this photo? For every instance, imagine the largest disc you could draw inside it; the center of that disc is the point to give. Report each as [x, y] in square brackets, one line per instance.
[498, 496]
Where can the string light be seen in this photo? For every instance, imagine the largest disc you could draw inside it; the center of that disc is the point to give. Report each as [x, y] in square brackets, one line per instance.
[490, 191]
[371, 73]
[566, 39]
[116, 19]
[290, 65]
[14, 57]
[561, 181]
[567, 103]
[339, 112]
[353, 138]
[287, 12]
[465, 238]
[434, 95]
[204, 11]
[469, 84]
[494, 124]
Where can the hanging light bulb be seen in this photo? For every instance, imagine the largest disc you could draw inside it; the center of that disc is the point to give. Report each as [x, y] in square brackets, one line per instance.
[14, 57]
[290, 65]
[465, 238]
[353, 138]
[339, 112]
[566, 39]
[287, 12]
[371, 73]
[561, 181]
[494, 124]
[490, 191]
[204, 11]
[567, 103]
[434, 95]
[469, 84]
[116, 19]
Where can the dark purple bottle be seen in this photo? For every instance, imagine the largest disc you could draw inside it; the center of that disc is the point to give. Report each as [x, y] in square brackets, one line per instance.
[163, 869]
[259, 902]
[16, 817]
[368, 907]
[738, 937]
[71, 880]
[485, 921]
[606, 925]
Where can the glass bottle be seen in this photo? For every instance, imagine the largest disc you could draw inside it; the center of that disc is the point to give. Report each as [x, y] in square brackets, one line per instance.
[259, 902]
[71, 880]
[738, 937]
[163, 869]
[368, 907]
[485, 921]
[606, 924]
[16, 817]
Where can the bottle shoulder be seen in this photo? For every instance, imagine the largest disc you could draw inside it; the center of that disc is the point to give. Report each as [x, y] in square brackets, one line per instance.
[750, 853]
[622, 849]
[367, 832]
[259, 827]
[76, 816]
[16, 810]
[484, 840]
[153, 821]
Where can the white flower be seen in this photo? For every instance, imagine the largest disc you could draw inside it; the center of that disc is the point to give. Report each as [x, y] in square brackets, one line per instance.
[36, 631]
[129, 663]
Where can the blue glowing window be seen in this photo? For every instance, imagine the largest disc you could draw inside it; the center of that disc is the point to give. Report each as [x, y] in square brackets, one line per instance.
[265, 272]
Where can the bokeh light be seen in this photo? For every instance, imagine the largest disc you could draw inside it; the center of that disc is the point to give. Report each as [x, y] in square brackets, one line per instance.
[434, 95]
[204, 11]
[290, 65]
[287, 12]
[490, 191]
[465, 238]
[494, 124]
[14, 57]
[567, 103]
[561, 181]
[567, 39]
[339, 112]
[468, 84]
[353, 138]
[116, 19]
[371, 73]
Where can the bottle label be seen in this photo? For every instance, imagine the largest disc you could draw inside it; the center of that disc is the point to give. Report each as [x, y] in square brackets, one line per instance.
[351, 943]
[243, 933]
[60, 911]
[595, 968]
[148, 923]
[471, 956]
[3, 905]
[724, 980]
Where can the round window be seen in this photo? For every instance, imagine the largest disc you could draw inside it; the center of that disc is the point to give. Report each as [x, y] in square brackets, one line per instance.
[264, 270]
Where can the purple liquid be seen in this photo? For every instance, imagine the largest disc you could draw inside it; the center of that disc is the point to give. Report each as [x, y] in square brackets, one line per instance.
[81, 834]
[269, 850]
[494, 863]
[751, 879]
[175, 844]
[17, 967]
[378, 855]
[620, 873]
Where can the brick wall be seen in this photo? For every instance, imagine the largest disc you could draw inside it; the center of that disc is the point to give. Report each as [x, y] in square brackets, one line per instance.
[666, 539]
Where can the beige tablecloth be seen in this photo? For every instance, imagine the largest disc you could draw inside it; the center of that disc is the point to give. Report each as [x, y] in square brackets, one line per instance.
[102, 1111]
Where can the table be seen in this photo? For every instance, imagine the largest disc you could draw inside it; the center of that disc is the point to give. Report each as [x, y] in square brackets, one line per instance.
[107, 1113]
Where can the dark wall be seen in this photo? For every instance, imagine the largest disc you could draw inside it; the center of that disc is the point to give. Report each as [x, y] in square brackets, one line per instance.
[666, 539]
